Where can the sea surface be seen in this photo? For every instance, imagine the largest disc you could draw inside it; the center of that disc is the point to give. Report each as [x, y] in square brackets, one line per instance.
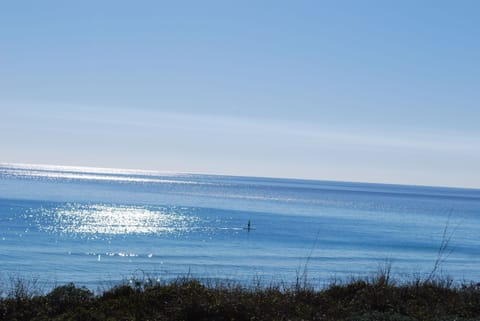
[99, 227]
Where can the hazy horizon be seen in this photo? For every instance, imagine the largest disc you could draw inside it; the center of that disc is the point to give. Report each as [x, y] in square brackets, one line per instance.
[145, 171]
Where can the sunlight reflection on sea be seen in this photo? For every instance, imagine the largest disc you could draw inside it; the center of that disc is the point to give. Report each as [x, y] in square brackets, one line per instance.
[91, 220]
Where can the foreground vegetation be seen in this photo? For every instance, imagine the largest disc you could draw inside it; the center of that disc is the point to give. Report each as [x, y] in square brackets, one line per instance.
[378, 298]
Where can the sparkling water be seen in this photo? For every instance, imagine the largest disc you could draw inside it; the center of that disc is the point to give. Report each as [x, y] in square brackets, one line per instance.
[99, 227]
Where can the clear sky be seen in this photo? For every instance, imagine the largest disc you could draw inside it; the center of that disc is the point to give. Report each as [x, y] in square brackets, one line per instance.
[374, 91]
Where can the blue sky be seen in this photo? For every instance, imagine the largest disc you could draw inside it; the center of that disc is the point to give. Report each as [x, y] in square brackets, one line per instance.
[375, 91]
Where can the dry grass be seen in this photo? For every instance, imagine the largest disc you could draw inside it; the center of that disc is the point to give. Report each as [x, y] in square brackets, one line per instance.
[376, 298]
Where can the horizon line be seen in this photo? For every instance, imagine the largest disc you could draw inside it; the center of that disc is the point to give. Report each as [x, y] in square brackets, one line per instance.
[149, 172]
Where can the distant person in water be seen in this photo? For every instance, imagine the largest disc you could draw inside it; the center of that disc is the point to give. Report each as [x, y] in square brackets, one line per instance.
[249, 225]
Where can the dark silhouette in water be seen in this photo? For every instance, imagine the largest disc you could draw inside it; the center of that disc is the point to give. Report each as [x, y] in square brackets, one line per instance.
[249, 226]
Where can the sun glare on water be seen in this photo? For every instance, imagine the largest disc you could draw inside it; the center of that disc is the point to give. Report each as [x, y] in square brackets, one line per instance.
[114, 220]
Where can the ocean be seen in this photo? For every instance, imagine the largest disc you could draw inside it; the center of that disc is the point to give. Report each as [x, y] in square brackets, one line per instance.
[101, 227]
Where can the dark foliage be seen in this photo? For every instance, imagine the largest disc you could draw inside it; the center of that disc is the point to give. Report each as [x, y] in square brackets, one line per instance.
[377, 299]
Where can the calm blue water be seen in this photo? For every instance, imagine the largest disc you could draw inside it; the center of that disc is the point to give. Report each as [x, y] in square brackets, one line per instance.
[98, 227]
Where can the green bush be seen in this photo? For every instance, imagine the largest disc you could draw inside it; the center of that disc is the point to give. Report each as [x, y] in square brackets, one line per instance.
[373, 299]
